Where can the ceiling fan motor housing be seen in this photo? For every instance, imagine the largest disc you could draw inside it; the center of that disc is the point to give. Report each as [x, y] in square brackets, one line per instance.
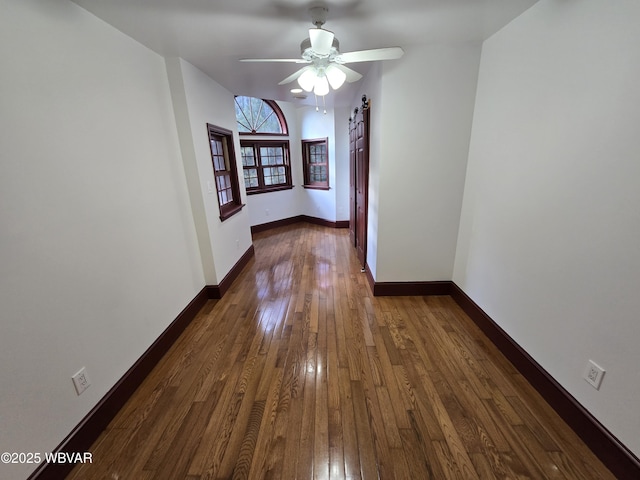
[308, 54]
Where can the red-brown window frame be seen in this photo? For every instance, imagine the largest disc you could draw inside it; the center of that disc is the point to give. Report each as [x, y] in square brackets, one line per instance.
[306, 163]
[262, 188]
[281, 118]
[227, 175]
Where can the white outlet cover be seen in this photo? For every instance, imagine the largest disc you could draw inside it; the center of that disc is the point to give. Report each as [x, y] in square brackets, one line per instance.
[593, 374]
[81, 380]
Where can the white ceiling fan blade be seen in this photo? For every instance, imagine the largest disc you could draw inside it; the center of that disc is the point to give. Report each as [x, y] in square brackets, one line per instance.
[295, 75]
[280, 60]
[389, 53]
[352, 75]
[321, 40]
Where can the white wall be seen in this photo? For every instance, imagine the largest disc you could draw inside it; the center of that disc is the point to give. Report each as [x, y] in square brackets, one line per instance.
[341, 169]
[201, 100]
[320, 203]
[101, 245]
[97, 244]
[273, 206]
[549, 242]
[424, 117]
[306, 123]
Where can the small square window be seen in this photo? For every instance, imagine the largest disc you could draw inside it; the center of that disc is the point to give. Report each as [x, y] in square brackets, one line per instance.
[315, 161]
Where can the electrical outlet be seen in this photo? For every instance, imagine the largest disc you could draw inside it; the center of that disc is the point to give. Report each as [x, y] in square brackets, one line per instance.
[593, 374]
[81, 380]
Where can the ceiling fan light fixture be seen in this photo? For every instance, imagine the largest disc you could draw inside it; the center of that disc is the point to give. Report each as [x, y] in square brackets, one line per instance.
[335, 76]
[326, 68]
[308, 79]
[322, 86]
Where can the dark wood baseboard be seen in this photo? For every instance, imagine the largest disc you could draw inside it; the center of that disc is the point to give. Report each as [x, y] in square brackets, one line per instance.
[372, 281]
[396, 289]
[88, 430]
[297, 219]
[218, 291]
[276, 223]
[622, 463]
[325, 223]
[399, 289]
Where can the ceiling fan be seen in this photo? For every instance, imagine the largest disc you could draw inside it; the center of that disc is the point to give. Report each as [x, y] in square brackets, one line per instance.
[325, 64]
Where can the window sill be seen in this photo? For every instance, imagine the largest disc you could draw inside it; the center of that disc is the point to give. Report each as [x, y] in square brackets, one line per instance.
[317, 187]
[269, 190]
[230, 212]
[266, 134]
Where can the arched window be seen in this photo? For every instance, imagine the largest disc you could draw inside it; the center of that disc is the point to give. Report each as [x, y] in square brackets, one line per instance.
[256, 116]
[265, 162]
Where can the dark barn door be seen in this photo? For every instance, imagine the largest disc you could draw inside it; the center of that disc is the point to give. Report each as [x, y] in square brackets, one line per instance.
[359, 178]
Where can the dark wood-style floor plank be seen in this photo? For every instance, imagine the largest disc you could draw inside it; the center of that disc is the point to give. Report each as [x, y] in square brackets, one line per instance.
[300, 373]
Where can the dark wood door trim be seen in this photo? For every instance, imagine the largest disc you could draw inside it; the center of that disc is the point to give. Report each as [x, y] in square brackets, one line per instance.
[359, 178]
[352, 181]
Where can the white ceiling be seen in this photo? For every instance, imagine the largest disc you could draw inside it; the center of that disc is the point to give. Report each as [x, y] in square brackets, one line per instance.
[214, 34]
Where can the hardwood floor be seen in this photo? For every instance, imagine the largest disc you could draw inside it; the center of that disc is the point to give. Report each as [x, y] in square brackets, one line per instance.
[298, 372]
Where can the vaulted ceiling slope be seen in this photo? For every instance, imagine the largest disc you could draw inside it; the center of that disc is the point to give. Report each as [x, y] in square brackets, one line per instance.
[213, 34]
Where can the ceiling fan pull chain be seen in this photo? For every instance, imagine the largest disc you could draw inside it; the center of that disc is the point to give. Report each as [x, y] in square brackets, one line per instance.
[324, 106]
[317, 109]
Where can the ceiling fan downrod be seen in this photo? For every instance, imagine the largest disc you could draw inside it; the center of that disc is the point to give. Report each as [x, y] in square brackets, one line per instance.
[318, 16]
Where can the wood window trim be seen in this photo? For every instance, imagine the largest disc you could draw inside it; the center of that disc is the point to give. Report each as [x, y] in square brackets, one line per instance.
[307, 183]
[270, 189]
[230, 173]
[256, 144]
